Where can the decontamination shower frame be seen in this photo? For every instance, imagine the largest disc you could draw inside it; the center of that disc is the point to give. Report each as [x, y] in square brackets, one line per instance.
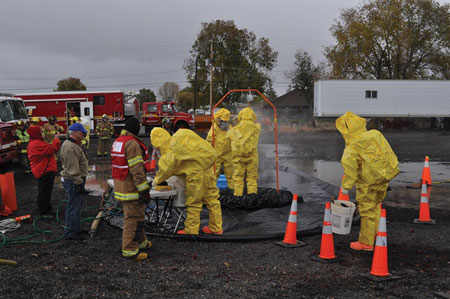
[274, 121]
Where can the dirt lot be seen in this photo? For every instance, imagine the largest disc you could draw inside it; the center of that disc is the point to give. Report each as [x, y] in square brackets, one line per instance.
[419, 254]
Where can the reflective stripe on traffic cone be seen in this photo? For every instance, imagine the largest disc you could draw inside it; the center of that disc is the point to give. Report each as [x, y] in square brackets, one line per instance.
[290, 236]
[426, 175]
[343, 196]
[424, 213]
[379, 270]
[8, 191]
[327, 245]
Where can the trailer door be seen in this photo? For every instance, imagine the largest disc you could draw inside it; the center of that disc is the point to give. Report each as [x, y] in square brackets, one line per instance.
[87, 110]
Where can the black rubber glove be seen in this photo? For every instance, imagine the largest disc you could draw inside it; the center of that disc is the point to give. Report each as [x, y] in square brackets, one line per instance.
[144, 197]
[79, 189]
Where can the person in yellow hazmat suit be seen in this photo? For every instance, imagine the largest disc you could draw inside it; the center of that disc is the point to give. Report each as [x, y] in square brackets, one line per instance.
[188, 155]
[370, 164]
[244, 152]
[222, 144]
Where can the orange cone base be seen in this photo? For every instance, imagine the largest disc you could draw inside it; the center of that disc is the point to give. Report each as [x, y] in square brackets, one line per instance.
[287, 245]
[324, 261]
[424, 222]
[380, 278]
[5, 211]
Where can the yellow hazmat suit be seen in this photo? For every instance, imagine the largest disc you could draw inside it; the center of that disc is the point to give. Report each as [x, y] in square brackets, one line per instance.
[369, 163]
[160, 140]
[191, 157]
[244, 152]
[222, 144]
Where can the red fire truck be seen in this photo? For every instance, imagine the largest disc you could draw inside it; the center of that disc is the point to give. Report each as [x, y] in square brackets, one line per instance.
[89, 105]
[154, 112]
[11, 111]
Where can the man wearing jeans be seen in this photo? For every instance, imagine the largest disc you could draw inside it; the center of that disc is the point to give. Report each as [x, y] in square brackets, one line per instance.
[75, 170]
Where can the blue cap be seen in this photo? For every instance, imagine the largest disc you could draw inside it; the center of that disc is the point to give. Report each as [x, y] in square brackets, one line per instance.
[77, 127]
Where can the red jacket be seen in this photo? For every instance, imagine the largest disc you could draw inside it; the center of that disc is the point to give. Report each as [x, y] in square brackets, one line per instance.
[41, 154]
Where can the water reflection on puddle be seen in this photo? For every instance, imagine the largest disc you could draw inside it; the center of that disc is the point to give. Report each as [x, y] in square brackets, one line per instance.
[411, 172]
[328, 171]
[96, 181]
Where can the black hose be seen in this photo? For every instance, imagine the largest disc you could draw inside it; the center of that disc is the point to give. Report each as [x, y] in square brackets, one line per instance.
[232, 238]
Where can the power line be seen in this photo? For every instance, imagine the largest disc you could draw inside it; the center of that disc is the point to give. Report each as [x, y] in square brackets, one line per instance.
[96, 77]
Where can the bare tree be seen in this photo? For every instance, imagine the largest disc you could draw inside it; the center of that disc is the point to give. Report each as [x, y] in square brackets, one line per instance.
[168, 91]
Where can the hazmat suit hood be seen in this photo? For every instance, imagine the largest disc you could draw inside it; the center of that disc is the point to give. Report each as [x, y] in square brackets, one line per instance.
[350, 126]
[222, 114]
[247, 114]
[160, 139]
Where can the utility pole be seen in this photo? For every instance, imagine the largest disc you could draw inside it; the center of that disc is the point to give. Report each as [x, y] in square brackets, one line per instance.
[195, 84]
[211, 80]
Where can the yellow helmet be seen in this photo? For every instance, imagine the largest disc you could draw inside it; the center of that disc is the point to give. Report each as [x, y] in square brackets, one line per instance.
[20, 123]
[35, 119]
[75, 118]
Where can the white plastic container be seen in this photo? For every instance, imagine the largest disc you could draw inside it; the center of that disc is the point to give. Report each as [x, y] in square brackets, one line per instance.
[341, 216]
[179, 184]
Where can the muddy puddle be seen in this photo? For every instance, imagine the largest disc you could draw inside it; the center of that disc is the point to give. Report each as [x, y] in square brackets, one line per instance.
[290, 176]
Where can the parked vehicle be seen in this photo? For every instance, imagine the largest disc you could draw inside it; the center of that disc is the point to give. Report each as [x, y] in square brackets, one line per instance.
[11, 111]
[384, 98]
[154, 112]
[83, 104]
[8, 144]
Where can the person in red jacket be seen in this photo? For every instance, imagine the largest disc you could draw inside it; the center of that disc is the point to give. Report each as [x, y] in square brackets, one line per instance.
[43, 166]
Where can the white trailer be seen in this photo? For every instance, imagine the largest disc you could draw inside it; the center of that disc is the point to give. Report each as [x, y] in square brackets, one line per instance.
[382, 98]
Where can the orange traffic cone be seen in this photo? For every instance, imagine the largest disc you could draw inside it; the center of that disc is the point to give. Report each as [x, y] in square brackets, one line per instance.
[8, 189]
[290, 236]
[426, 176]
[153, 162]
[379, 270]
[5, 211]
[424, 213]
[343, 196]
[327, 245]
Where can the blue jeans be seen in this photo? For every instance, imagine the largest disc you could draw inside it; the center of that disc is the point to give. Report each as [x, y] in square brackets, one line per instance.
[73, 209]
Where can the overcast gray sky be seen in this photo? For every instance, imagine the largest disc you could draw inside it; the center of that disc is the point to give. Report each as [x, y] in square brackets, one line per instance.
[132, 44]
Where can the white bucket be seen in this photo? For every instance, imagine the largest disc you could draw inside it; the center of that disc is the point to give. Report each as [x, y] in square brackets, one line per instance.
[342, 216]
[178, 183]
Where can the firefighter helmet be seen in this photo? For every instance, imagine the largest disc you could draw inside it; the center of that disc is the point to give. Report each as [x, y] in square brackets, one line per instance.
[20, 123]
[104, 116]
[75, 118]
[52, 118]
[35, 119]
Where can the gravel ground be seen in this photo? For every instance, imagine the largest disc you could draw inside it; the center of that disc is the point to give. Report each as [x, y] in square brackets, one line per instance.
[419, 254]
